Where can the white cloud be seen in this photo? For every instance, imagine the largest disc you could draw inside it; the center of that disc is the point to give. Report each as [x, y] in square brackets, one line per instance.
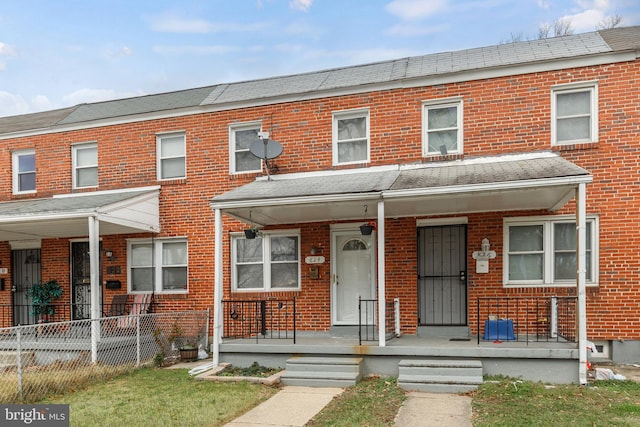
[416, 9]
[195, 50]
[122, 52]
[302, 5]
[588, 14]
[544, 4]
[170, 23]
[96, 95]
[5, 49]
[12, 104]
[408, 30]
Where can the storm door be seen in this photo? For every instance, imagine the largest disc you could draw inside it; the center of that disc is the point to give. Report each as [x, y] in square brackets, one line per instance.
[81, 280]
[353, 277]
[442, 275]
[25, 265]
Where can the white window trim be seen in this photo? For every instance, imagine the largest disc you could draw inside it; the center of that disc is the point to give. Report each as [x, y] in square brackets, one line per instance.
[232, 145]
[548, 250]
[266, 272]
[74, 149]
[156, 264]
[16, 173]
[350, 114]
[592, 87]
[441, 103]
[159, 157]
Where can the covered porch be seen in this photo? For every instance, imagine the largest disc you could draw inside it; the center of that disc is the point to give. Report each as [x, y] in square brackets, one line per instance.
[525, 182]
[59, 222]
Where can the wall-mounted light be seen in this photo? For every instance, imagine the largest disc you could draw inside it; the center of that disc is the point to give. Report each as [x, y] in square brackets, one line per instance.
[109, 254]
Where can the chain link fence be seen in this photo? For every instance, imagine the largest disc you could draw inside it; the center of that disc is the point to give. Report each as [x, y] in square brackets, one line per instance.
[50, 358]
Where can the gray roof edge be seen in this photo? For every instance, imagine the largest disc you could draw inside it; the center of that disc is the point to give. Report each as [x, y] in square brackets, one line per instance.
[615, 40]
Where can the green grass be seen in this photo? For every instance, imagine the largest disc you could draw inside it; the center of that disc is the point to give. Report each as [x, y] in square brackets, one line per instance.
[509, 402]
[161, 397]
[372, 402]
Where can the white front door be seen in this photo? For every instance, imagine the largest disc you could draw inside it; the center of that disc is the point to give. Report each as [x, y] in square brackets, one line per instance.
[353, 274]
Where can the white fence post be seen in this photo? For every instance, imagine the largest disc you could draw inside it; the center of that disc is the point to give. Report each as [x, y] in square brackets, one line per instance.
[19, 360]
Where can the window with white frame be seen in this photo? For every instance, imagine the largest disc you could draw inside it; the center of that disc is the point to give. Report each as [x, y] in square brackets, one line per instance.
[442, 127]
[269, 262]
[24, 171]
[158, 265]
[172, 157]
[574, 110]
[542, 251]
[240, 139]
[85, 165]
[351, 137]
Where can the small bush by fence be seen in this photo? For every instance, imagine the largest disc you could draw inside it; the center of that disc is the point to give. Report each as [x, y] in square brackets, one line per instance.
[51, 358]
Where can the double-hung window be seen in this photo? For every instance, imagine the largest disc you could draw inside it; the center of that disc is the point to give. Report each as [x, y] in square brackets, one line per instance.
[442, 127]
[542, 251]
[85, 165]
[24, 171]
[240, 139]
[268, 262]
[172, 157]
[351, 137]
[158, 265]
[574, 110]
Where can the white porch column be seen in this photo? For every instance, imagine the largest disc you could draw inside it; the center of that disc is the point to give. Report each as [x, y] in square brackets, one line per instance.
[94, 267]
[217, 288]
[381, 277]
[581, 274]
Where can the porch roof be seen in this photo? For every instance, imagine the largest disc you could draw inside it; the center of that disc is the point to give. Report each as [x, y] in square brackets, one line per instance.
[497, 183]
[129, 211]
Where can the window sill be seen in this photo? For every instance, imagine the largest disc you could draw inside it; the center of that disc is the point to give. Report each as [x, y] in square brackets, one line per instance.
[546, 285]
[176, 181]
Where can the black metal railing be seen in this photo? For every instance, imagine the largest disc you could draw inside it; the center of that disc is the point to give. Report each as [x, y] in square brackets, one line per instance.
[530, 319]
[259, 319]
[368, 319]
[24, 314]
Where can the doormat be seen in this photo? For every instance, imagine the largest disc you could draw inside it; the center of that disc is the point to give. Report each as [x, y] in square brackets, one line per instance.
[459, 339]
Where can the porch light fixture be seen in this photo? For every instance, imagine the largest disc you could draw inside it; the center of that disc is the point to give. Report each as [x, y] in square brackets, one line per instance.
[367, 228]
[109, 254]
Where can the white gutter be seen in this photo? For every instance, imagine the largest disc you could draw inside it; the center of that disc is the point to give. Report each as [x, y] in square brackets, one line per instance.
[298, 200]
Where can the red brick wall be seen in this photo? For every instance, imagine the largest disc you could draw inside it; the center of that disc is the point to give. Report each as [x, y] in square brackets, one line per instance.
[510, 114]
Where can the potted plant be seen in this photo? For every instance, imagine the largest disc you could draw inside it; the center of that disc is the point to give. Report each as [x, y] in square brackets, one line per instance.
[251, 233]
[367, 228]
[189, 350]
[42, 295]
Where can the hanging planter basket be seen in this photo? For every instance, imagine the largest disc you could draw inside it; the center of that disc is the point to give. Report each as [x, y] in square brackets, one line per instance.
[366, 229]
[250, 233]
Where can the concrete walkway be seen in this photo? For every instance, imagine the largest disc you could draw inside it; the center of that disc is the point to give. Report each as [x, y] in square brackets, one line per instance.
[295, 406]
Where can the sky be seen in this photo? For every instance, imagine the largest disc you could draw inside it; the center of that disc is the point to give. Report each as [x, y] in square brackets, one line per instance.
[59, 53]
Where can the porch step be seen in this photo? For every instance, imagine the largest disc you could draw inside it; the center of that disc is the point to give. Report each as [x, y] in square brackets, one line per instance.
[440, 376]
[322, 371]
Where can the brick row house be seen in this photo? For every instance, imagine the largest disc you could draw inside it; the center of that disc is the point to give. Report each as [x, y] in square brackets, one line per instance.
[500, 183]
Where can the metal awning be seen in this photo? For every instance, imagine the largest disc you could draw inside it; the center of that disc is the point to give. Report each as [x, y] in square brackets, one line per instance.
[119, 212]
[530, 181]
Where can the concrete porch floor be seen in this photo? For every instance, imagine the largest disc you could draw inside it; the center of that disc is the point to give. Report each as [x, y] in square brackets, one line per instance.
[547, 361]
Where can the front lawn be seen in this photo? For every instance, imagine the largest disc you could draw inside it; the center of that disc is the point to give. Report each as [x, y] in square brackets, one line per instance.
[510, 402]
[161, 397]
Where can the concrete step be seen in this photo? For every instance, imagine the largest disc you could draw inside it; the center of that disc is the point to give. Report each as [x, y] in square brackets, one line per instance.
[440, 376]
[322, 371]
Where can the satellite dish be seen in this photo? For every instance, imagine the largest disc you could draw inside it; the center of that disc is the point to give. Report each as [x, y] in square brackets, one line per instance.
[266, 149]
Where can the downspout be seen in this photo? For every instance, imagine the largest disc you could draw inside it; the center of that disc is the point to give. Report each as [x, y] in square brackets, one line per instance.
[381, 277]
[581, 272]
[94, 267]
[217, 288]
